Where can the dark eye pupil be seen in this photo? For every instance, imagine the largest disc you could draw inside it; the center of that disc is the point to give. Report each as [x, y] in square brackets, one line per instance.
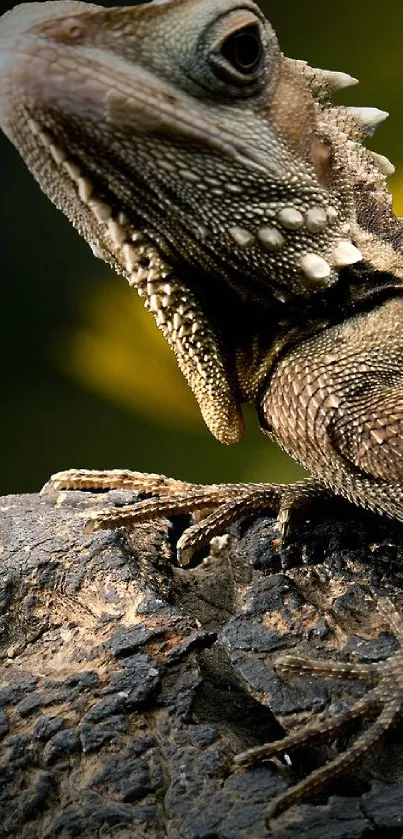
[243, 50]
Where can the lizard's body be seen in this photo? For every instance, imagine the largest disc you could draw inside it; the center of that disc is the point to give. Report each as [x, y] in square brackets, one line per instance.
[215, 174]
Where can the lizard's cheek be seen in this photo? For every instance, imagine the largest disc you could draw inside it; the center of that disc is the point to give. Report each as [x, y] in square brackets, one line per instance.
[322, 157]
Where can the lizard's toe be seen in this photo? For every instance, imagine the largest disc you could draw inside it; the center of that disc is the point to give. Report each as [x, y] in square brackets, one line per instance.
[383, 704]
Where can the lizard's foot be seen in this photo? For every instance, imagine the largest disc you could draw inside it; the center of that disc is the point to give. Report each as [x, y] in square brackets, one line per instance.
[384, 703]
[219, 505]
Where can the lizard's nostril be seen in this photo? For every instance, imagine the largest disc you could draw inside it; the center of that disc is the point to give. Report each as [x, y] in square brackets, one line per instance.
[29, 17]
[70, 29]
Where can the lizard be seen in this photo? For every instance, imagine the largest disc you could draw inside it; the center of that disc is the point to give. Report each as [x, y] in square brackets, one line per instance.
[217, 176]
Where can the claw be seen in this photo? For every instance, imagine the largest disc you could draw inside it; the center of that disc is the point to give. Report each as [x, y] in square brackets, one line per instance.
[384, 702]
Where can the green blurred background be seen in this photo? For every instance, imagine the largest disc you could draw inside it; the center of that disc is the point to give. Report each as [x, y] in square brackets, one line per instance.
[87, 380]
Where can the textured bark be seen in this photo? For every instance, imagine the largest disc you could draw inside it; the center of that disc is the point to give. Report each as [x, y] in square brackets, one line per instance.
[128, 684]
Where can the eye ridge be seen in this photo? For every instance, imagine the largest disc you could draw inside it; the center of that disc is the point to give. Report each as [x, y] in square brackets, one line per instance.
[243, 50]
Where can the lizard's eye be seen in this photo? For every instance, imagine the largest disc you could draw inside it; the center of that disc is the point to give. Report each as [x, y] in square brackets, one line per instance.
[243, 50]
[239, 51]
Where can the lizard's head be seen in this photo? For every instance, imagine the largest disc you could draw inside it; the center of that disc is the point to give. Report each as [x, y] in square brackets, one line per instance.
[195, 158]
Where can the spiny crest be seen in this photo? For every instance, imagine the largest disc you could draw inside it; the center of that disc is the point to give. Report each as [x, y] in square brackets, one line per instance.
[347, 127]
[324, 82]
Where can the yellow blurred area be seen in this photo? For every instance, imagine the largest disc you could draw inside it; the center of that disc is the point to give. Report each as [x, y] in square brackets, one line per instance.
[120, 354]
[397, 190]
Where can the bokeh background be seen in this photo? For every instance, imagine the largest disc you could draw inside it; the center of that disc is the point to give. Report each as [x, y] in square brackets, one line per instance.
[86, 378]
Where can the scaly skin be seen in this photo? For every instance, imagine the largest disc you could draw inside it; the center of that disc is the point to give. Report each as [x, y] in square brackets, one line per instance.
[215, 174]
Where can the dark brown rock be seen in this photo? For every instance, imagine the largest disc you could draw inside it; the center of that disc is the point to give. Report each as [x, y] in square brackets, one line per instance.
[127, 684]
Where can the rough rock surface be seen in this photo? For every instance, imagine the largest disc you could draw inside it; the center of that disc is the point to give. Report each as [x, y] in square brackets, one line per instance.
[127, 684]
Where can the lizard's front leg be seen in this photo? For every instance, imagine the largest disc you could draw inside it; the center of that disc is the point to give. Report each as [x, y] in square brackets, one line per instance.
[335, 404]
[214, 506]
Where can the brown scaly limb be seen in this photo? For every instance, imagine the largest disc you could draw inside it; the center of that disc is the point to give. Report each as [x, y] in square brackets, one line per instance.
[175, 497]
[384, 702]
[218, 177]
